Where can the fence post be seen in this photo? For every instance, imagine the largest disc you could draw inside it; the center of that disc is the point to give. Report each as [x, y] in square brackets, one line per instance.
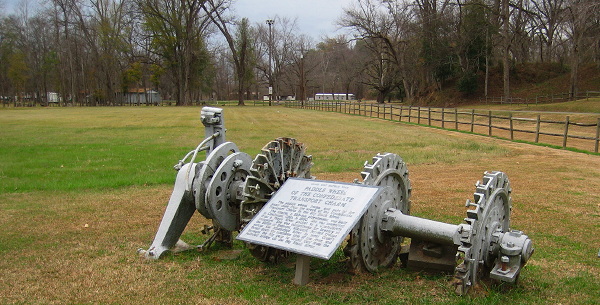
[472, 119]
[443, 115]
[384, 110]
[566, 132]
[419, 115]
[597, 135]
[510, 117]
[490, 123]
[429, 116]
[409, 112]
[537, 129]
[401, 110]
[455, 118]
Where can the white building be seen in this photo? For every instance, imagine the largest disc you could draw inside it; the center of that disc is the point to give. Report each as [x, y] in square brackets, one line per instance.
[334, 97]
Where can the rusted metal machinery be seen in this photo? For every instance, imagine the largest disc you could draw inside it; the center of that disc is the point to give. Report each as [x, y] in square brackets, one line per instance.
[230, 188]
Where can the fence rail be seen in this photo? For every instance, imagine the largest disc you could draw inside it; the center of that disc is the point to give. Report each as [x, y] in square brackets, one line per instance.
[34, 103]
[550, 129]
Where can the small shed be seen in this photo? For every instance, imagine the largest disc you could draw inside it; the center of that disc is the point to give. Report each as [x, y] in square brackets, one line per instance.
[141, 96]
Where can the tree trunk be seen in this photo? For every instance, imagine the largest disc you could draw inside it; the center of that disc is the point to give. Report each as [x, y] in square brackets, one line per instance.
[241, 86]
[574, 71]
[381, 95]
[506, 49]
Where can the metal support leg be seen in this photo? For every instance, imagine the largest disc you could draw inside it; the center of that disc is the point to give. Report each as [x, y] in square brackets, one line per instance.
[180, 209]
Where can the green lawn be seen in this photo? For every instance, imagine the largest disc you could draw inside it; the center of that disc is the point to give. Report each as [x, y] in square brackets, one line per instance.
[94, 148]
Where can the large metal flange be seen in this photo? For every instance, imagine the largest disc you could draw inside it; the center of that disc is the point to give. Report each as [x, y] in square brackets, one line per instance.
[368, 247]
[389, 170]
[224, 191]
[489, 215]
[376, 248]
[204, 176]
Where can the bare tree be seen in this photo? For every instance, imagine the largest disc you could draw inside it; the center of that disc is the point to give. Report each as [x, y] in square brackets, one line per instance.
[506, 44]
[582, 26]
[384, 29]
[548, 17]
[177, 30]
[301, 69]
[239, 43]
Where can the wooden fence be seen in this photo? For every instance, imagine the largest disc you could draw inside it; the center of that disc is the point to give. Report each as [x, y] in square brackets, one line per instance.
[542, 99]
[33, 103]
[538, 127]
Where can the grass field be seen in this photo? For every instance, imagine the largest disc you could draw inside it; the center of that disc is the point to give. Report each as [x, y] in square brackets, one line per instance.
[83, 188]
[512, 121]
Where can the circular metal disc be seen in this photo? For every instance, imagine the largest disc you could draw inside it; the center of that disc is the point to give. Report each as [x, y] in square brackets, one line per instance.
[492, 206]
[377, 249]
[493, 219]
[221, 194]
[373, 248]
[213, 160]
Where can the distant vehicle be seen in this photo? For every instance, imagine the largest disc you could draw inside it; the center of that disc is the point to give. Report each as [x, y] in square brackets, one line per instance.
[334, 96]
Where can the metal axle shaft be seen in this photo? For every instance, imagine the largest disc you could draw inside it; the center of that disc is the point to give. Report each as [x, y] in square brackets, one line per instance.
[399, 224]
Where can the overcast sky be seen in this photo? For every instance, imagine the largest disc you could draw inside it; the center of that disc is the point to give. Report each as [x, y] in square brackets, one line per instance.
[314, 17]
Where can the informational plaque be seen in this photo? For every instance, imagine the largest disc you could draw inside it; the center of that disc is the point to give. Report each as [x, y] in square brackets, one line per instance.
[309, 217]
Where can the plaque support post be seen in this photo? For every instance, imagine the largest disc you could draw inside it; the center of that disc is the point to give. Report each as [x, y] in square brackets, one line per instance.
[302, 269]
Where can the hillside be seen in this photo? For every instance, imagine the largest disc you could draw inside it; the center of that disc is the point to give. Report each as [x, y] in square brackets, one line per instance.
[526, 81]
